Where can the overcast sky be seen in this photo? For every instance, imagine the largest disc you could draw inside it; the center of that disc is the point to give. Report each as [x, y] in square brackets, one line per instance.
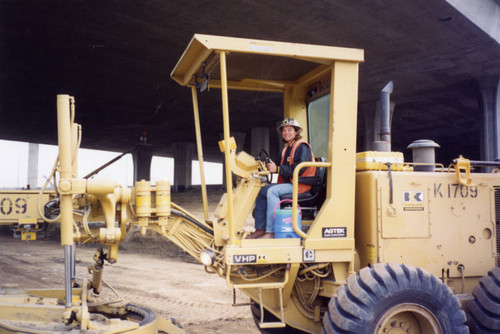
[14, 166]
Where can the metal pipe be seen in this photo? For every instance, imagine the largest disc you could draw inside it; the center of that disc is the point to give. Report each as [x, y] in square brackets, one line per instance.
[200, 152]
[385, 114]
[227, 153]
[65, 172]
[76, 135]
[73, 262]
[67, 277]
[477, 163]
[108, 163]
[97, 278]
[65, 168]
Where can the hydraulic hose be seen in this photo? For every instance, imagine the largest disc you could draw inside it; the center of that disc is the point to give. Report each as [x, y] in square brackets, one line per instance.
[183, 216]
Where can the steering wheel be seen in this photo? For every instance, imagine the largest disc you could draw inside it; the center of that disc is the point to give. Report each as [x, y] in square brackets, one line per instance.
[264, 157]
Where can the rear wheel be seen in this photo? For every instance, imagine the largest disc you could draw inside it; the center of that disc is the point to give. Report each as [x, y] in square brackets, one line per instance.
[392, 298]
[484, 309]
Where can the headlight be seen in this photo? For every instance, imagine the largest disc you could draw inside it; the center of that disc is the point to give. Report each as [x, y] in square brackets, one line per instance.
[207, 257]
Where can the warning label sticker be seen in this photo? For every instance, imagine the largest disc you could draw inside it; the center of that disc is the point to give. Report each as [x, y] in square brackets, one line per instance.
[413, 201]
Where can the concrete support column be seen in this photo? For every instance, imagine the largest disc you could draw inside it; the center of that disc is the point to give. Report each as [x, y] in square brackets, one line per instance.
[142, 157]
[183, 157]
[33, 165]
[259, 140]
[490, 131]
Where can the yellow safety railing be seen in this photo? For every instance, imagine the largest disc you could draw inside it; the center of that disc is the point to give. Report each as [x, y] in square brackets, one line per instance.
[295, 194]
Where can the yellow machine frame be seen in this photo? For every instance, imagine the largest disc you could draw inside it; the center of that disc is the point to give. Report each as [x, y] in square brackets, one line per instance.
[360, 224]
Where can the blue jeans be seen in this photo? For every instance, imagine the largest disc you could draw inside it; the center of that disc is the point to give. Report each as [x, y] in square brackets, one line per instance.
[266, 200]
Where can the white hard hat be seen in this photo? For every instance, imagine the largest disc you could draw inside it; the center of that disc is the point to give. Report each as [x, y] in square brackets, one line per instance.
[290, 122]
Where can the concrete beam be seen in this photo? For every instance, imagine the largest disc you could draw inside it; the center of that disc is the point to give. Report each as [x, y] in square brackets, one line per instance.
[483, 13]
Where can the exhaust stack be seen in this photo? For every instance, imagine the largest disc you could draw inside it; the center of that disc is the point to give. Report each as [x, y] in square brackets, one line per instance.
[384, 145]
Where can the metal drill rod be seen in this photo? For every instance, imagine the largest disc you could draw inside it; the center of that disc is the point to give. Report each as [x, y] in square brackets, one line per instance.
[73, 261]
[67, 276]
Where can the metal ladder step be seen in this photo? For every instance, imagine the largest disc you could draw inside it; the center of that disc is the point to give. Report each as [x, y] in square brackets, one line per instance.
[264, 286]
[272, 324]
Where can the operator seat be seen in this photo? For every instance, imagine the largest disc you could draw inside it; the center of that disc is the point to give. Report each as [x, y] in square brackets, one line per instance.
[310, 201]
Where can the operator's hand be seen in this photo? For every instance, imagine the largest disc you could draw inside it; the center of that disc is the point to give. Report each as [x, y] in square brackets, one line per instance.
[272, 167]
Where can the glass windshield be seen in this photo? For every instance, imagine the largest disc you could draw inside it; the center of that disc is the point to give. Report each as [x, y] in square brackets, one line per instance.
[318, 122]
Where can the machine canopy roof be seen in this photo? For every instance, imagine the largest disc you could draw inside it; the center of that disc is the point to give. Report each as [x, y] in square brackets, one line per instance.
[258, 64]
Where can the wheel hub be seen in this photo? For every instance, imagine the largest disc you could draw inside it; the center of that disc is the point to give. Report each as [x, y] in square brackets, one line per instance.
[410, 319]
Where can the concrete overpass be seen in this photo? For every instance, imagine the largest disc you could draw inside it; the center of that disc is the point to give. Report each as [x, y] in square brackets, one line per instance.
[115, 57]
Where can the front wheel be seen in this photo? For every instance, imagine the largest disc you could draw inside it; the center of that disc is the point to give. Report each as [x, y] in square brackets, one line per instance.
[393, 298]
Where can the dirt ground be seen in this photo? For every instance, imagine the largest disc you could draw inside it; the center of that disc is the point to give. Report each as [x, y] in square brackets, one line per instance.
[151, 272]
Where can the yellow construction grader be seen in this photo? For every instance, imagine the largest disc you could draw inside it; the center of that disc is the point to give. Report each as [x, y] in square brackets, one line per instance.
[18, 210]
[383, 246]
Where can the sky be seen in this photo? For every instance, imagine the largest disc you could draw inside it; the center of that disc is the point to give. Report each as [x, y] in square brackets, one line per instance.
[14, 166]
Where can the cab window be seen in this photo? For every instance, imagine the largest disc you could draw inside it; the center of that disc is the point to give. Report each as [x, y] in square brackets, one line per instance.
[318, 124]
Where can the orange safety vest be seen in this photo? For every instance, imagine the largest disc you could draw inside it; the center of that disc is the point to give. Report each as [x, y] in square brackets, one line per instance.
[308, 171]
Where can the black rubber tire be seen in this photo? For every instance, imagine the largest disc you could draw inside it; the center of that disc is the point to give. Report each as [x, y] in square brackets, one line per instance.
[143, 315]
[255, 309]
[484, 309]
[386, 289]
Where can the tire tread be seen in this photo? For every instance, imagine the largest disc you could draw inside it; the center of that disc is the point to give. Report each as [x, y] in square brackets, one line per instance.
[484, 309]
[356, 309]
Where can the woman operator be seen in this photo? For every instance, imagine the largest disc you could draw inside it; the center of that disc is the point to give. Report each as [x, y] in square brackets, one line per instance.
[294, 152]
